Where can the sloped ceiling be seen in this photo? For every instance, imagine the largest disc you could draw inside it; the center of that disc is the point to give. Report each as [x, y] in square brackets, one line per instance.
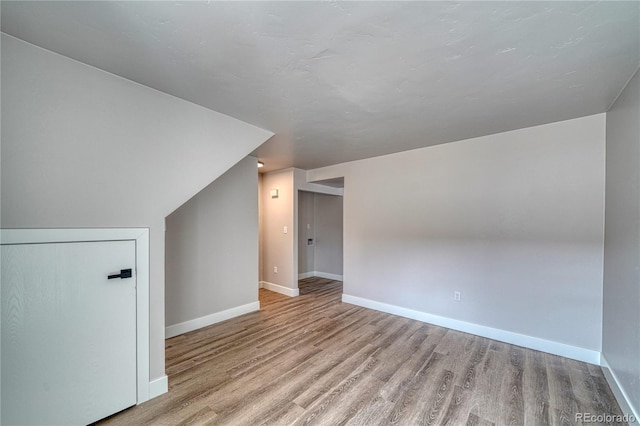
[343, 81]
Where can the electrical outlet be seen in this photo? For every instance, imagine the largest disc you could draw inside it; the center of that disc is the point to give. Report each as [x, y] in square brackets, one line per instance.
[456, 296]
[275, 269]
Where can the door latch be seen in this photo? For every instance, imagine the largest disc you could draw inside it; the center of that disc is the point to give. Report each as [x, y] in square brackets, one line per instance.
[124, 273]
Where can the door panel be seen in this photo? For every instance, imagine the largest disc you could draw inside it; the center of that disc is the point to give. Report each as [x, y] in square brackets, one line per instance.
[68, 333]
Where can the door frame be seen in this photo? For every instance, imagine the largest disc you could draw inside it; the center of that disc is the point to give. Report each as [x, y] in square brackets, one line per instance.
[141, 238]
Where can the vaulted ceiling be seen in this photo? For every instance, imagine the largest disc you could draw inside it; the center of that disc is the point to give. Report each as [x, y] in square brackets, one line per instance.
[339, 81]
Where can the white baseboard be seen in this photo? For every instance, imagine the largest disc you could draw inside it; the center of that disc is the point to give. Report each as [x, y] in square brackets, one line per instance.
[291, 292]
[304, 275]
[194, 324]
[326, 275]
[621, 396]
[568, 351]
[158, 386]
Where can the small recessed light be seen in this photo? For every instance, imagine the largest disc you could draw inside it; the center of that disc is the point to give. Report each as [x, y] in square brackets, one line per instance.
[260, 164]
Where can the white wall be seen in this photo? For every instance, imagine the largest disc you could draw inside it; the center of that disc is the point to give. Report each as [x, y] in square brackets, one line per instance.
[514, 221]
[212, 252]
[328, 231]
[621, 311]
[84, 148]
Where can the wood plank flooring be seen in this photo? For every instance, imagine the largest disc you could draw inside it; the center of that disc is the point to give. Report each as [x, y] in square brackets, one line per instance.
[315, 360]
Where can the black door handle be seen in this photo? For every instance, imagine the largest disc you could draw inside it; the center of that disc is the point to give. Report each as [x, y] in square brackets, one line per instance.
[124, 273]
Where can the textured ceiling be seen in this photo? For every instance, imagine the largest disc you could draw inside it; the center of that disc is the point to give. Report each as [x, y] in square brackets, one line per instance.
[344, 81]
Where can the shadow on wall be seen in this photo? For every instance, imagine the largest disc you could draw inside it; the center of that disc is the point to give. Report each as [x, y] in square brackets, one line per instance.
[212, 251]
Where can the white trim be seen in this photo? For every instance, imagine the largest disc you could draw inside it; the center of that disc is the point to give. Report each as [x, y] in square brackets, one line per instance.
[304, 275]
[141, 237]
[291, 292]
[568, 351]
[142, 314]
[158, 386]
[621, 396]
[319, 274]
[216, 317]
[328, 275]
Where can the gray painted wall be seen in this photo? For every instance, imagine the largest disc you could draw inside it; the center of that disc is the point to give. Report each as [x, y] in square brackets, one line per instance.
[621, 310]
[278, 247]
[307, 229]
[328, 226]
[84, 148]
[212, 247]
[301, 184]
[260, 229]
[514, 221]
[320, 218]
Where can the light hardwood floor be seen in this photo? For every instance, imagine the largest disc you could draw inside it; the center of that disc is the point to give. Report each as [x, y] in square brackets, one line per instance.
[314, 360]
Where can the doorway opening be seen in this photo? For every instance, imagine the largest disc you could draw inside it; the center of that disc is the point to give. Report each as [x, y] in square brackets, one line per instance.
[319, 240]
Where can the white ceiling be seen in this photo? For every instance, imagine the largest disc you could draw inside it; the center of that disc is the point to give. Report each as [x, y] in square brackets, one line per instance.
[344, 81]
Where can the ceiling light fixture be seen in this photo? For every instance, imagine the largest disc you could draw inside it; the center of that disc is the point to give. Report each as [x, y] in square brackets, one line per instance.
[260, 164]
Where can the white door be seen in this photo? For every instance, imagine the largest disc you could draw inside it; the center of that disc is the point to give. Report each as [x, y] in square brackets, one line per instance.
[68, 332]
